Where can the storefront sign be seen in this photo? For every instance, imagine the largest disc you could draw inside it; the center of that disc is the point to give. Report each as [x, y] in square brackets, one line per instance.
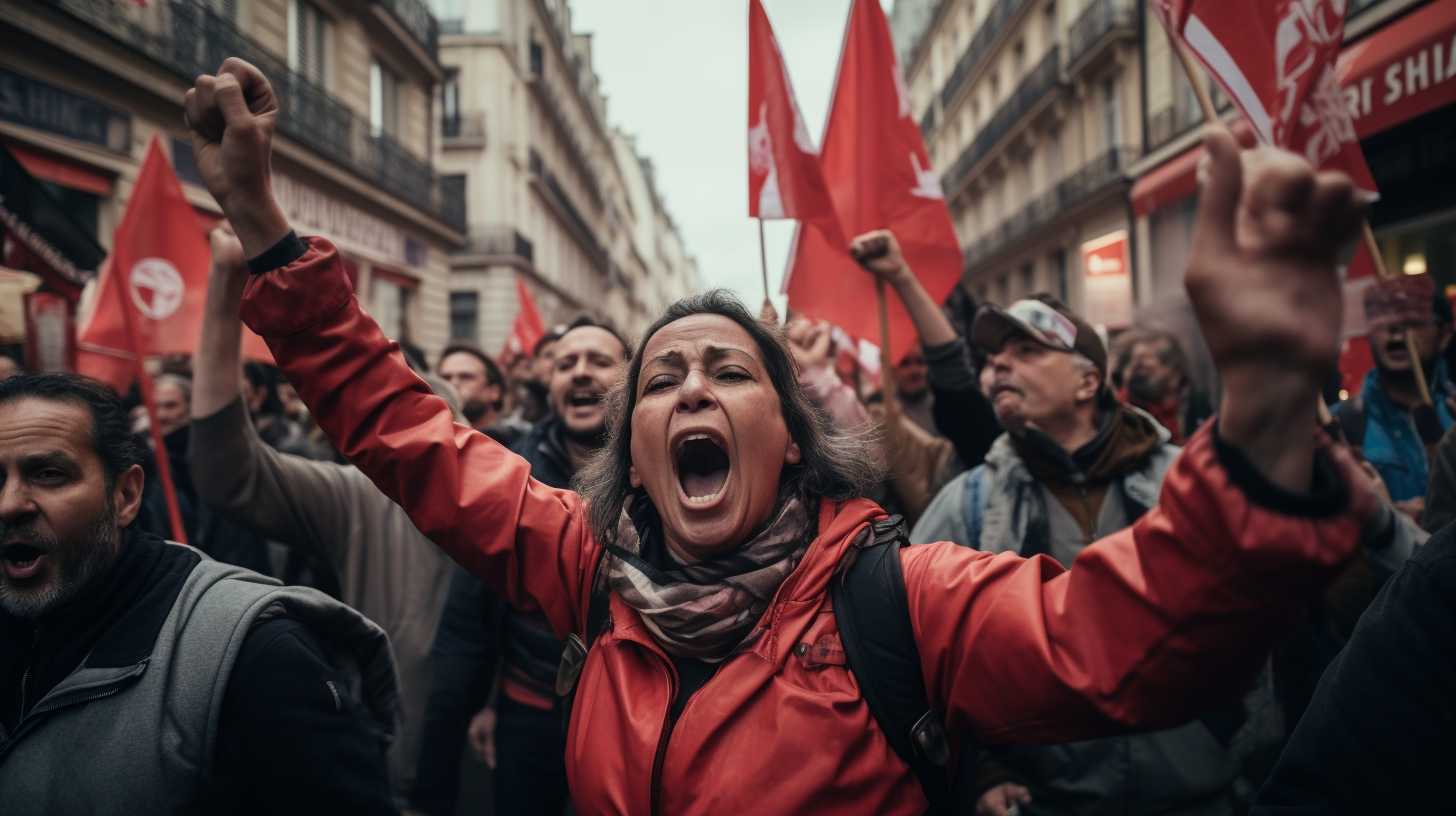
[1108, 281]
[317, 213]
[48, 332]
[30, 102]
[1401, 71]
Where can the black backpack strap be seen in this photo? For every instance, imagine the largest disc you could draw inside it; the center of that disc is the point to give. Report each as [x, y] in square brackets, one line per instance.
[872, 611]
[575, 647]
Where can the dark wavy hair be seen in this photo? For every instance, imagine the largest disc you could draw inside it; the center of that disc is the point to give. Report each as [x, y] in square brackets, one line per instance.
[110, 422]
[834, 464]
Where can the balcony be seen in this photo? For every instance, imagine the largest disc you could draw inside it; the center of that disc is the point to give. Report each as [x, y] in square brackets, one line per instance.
[979, 47]
[1101, 24]
[1096, 176]
[416, 18]
[578, 153]
[500, 240]
[559, 200]
[188, 39]
[1041, 80]
[465, 129]
[1172, 121]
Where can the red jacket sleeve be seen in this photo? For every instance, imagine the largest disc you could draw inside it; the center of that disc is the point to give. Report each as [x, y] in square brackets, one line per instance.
[1150, 626]
[468, 494]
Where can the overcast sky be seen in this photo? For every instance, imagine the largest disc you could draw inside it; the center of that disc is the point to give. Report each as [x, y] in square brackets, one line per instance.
[676, 74]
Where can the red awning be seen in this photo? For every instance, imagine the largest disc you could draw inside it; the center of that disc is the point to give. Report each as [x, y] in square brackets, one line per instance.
[61, 171]
[1401, 71]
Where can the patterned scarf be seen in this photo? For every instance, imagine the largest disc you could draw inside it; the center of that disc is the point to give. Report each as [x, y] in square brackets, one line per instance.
[703, 610]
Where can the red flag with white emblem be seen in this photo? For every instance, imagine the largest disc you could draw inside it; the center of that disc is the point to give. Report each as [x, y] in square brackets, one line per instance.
[784, 179]
[879, 175]
[1277, 62]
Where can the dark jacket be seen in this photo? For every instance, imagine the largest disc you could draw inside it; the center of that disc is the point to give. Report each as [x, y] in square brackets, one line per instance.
[962, 413]
[1377, 736]
[331, 758]
[475, 629]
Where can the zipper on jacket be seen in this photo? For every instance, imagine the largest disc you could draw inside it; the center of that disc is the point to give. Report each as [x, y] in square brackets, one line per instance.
[668, 722]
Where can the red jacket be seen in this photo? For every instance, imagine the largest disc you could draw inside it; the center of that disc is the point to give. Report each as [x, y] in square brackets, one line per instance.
[1151, 624]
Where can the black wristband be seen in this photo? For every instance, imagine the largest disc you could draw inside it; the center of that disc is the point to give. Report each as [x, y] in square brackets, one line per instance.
[288, 249]
[1327, 496]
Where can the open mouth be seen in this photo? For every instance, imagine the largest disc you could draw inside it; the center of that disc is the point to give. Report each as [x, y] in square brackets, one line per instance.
[21, 561]
[584, 399]
[702, 468]
[998, 390]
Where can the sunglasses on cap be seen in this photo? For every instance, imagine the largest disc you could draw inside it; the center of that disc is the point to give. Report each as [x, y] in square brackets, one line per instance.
[1049, 325]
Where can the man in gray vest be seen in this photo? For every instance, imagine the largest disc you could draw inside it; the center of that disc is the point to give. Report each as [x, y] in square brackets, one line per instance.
[139, 676]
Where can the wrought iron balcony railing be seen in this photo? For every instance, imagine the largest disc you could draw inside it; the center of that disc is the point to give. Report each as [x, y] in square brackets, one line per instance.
[1046, 76]
[1100, 18]
[500, 239]
[466, 126]
[189, 38]
[1106, 169]
[979, 47]
[576, 222]
[416, 18]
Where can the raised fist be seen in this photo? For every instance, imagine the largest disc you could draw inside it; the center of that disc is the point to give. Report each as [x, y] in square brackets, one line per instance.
[879, 252]
[231, 116]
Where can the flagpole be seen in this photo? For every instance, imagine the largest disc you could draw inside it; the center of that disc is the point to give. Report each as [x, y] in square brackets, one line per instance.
[1210, 115]
[763, 260]
[144, 383]
[887, 382]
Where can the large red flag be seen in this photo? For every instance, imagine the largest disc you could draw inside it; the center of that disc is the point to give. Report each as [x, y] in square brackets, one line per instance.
[1277, 61]
[528, 328]
[158, 271]
[784, 179]
[879, 175]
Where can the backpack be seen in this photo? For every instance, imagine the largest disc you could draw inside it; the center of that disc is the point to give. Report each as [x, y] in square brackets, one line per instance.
[872, 612]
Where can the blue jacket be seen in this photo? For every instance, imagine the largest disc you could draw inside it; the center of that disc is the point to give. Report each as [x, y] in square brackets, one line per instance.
[1390, 441]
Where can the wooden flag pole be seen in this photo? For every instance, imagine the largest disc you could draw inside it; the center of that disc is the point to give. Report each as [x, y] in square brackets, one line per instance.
[763, 260]
[887, 381]
[1210, 115]
[144, 383]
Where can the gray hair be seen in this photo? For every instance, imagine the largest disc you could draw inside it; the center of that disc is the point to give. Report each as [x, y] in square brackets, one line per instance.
[834, 463]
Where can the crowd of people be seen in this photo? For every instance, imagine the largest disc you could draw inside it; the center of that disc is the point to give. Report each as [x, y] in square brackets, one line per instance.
[629, 577]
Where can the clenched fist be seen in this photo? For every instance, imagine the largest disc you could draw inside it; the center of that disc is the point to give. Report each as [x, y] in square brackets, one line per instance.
[879, 252]
[1262, 280]
[231, 116]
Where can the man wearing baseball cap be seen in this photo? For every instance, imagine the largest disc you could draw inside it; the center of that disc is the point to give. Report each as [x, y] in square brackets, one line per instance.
[1074, 464]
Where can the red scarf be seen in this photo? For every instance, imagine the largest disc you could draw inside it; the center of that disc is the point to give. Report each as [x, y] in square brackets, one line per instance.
[1168, 413]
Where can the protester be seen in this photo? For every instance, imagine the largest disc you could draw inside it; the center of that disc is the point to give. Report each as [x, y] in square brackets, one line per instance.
[9, 367]
[139, 676]
[265, 406]
[1156, 381]
[387, 570]
[170, 395]
[714, 452]
[1377, 736]
[1387, 420]
[522, 731]
[1075, 465]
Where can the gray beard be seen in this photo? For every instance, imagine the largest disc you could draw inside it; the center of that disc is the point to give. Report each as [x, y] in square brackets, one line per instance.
[84, 562]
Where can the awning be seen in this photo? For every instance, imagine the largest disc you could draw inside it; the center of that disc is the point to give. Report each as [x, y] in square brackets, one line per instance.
[1401, 71]
[55, 247]
[59, 171]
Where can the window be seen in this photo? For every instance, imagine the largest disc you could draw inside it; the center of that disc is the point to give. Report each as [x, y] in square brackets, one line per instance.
[1018, 57]
[1028, 279]
[393, 294]
[465, 315]
[1111, 114]
[450, 101]
[307, 39]
[383, 100]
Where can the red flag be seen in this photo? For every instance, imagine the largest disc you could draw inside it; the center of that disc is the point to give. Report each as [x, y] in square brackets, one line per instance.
[879, 175]
[784, 179]
[157, 270]
[1277, 62]
[528, 329]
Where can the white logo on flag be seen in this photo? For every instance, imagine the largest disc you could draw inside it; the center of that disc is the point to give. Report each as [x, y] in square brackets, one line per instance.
[927, 184]
[156, 288]
[761, 160]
